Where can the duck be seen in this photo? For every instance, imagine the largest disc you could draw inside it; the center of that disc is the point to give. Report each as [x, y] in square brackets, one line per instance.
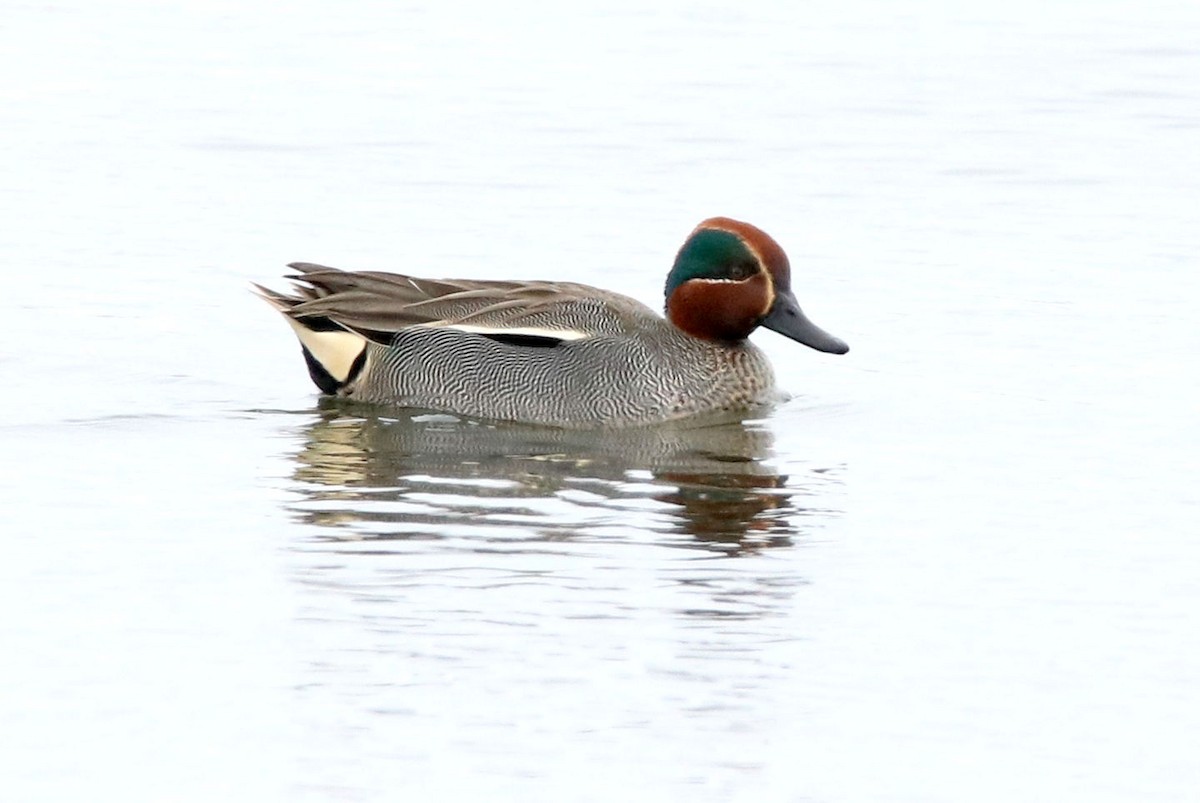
[556, 353]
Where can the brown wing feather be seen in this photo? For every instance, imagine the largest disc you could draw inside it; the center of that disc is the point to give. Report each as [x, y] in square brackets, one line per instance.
[377, 302]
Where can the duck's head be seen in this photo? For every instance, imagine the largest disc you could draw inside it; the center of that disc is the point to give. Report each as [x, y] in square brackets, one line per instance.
[730, 278]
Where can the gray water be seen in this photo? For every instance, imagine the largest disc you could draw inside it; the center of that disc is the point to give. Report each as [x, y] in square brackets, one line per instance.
[960, 563]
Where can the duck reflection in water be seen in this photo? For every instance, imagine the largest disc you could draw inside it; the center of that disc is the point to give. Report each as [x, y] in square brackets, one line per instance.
[370, 475]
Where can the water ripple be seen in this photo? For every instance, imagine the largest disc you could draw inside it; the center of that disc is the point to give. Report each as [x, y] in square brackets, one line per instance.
[369, 483]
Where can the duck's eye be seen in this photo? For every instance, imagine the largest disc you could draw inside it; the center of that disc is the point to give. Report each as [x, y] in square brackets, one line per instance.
[741, 270]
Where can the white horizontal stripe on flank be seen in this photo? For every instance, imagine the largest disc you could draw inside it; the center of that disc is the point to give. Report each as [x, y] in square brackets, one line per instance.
[530, 331]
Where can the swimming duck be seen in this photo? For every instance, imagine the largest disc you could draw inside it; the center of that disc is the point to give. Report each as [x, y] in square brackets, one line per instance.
[556, 353]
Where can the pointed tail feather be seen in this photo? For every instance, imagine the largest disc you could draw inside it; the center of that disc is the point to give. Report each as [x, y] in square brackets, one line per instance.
[335, 355]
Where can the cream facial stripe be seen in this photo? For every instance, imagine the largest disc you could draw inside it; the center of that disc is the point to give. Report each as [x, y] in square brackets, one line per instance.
[758, 257]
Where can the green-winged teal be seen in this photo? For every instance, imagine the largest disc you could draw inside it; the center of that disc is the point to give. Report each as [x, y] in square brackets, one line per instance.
[556, 353]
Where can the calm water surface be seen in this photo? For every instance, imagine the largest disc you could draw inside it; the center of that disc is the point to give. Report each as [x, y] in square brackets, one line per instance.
[959, 563]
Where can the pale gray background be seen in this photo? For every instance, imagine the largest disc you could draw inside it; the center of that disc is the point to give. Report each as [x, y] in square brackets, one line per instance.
[967, 560]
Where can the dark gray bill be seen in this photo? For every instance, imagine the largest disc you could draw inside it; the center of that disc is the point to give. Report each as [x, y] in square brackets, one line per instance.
[786, 318]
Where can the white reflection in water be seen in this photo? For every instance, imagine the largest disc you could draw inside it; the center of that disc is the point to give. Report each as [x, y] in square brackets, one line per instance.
[489, 572]
[370, 479]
